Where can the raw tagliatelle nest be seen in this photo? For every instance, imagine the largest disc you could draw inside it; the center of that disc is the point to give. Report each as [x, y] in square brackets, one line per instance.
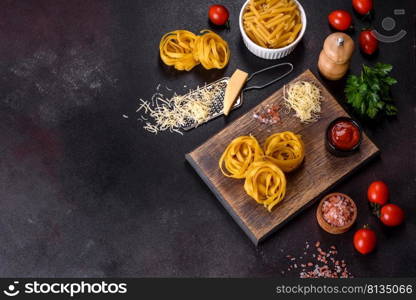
[266, 183]
[263, 168]
[184, 50]
[285, 149]
[239, 155]
[305, 99]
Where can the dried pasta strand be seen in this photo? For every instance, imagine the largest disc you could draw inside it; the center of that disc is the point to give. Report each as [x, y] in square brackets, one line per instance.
[266, 183]
[263, 169]
[184, 50]
[211, 50]
[285, 149]
[176, 49]
[239, 155]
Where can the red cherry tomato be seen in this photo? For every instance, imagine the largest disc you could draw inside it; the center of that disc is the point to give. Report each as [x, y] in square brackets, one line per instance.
[340, 19]
[362, 7]
[368, 42]
[391, 215]
[378, 192]
[365, 240]
[218, 14]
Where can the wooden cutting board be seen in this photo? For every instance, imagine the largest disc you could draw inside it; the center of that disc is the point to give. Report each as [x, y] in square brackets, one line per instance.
[319, 172]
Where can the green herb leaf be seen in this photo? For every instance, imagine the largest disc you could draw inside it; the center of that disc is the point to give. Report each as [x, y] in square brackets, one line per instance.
[391, 110]
[369, 92]
[390, 80]
[383, 69]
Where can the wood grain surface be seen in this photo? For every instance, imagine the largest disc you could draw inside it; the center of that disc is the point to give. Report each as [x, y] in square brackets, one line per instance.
[319, 172]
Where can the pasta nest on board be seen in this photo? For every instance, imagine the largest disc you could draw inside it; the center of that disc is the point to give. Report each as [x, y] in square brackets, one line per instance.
[239, 155]
[285, 149]
[263, 168]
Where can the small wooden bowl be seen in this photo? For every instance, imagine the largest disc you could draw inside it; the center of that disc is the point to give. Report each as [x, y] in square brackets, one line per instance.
[331, 228]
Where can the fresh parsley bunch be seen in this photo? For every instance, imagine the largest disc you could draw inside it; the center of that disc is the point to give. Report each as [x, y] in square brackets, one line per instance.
[369, 93]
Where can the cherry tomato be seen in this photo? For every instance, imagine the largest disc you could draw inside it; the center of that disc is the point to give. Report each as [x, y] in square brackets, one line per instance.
[365, 240]
[391, 215]
[368, 42]
[340, 19]
[362, 7]
[378, 192]
[218, 14]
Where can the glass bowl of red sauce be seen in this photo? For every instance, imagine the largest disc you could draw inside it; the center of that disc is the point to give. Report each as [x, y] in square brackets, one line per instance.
[343, 136]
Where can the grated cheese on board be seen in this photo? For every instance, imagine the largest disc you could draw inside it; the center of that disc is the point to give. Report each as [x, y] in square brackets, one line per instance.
[305, 99]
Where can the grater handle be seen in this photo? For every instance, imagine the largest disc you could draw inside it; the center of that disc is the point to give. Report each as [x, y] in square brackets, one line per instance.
[258, 87]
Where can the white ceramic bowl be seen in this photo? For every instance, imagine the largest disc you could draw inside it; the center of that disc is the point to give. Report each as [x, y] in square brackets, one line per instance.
[272, 53]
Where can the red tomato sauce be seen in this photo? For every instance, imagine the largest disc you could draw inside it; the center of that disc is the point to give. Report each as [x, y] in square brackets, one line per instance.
[344, 135]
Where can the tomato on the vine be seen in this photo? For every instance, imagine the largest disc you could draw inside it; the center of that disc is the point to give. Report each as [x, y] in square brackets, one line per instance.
[218, 14]
[391, 215]
[378, 193]
[362, 7]
[365, 240]
[340, 19]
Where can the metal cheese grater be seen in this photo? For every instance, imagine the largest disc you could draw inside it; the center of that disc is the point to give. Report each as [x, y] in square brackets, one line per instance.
[217, 108]
[218, 103]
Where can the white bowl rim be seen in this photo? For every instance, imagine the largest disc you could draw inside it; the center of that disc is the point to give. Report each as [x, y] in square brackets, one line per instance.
[271, 50]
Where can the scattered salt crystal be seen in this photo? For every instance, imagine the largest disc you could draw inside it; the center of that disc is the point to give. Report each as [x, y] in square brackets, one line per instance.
[322, 267]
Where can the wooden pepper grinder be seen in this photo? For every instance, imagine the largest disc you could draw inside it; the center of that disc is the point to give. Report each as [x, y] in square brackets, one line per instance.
[335, 56]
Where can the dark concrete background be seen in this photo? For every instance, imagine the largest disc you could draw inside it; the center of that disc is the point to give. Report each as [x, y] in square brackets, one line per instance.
[86, 192]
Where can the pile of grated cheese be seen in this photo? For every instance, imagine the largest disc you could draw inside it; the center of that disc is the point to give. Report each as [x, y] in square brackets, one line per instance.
[305, 99]
[171, 114]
